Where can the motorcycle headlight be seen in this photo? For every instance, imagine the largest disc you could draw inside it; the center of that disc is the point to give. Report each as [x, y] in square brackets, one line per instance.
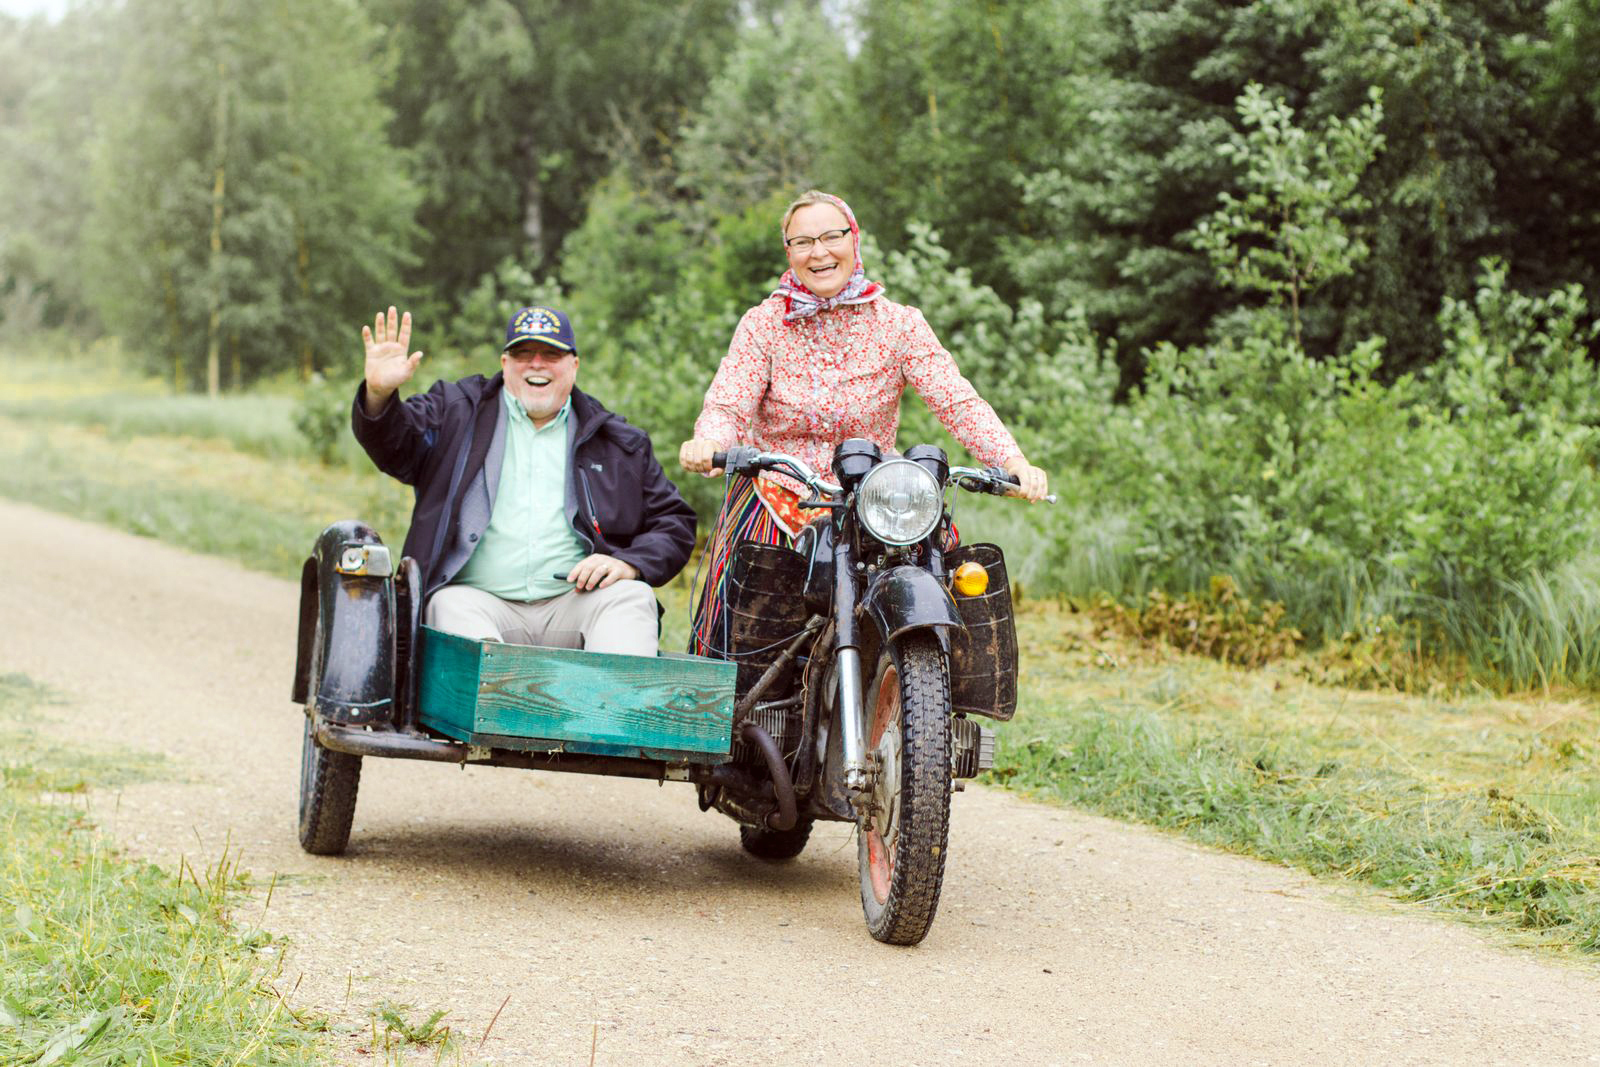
[899, 502]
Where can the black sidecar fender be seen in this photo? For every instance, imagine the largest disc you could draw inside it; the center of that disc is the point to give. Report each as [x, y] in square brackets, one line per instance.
[903, 599]
[345, 665]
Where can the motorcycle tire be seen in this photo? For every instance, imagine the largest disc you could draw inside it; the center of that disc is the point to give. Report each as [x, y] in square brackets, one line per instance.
[901, 851]
[776, 844]
[328, 784]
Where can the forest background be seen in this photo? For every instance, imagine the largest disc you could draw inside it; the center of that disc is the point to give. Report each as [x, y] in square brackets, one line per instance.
[1290, 297]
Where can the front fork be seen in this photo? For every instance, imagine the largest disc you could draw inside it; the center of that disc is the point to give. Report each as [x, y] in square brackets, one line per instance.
[852, 721]
[847, 660]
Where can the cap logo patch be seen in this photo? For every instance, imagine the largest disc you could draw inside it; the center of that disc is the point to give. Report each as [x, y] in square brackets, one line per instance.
[536, 320]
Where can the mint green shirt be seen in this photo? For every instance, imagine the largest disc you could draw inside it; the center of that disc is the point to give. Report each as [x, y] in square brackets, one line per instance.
[529, 538]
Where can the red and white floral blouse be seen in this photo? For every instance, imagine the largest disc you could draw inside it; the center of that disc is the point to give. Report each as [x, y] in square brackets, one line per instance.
[802, 387]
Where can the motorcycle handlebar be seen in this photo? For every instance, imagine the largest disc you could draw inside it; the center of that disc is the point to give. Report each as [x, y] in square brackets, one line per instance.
[747, 461]
[1002, 478]
[992, 480]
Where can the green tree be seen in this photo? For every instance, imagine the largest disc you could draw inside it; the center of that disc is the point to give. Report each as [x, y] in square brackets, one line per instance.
[247, 210]
[1287, 235]
[516, 108]
[1471, 167]
[49, 120]
[770, 118]
[954, 103]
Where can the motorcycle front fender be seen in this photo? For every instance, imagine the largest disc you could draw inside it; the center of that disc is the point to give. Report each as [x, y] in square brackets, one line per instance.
[904, 599]
[346, 656]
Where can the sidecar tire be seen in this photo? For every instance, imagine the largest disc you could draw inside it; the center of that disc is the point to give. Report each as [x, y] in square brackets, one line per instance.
[776, 844]
[903, 872]
[328, 784]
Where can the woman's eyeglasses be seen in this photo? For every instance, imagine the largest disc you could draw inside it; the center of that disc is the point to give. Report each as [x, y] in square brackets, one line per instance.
[827, 237]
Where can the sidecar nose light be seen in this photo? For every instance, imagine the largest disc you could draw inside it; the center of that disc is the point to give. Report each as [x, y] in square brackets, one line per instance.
[899, 502]
[970, 579]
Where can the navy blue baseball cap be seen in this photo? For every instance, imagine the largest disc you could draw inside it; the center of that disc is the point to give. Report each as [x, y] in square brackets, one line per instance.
[546, 325]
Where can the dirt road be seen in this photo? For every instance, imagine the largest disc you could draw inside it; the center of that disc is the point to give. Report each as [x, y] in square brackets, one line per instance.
[1061, 939]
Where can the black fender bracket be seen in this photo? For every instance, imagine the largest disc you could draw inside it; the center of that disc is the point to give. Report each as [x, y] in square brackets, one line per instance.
[902, 599]
[345, 662]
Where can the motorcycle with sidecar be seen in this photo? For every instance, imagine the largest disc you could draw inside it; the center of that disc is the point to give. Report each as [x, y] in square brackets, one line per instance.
[850, 674]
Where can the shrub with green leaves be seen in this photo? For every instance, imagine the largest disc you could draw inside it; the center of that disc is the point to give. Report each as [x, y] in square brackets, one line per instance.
[1313, 482]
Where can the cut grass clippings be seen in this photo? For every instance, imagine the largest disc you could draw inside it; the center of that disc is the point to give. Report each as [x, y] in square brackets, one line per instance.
[1478, 804]
[108, 961]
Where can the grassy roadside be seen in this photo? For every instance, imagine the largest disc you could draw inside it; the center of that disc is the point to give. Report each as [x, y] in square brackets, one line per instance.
[200, 494]
[1472, 803]
[1469, 802]
[109, 961]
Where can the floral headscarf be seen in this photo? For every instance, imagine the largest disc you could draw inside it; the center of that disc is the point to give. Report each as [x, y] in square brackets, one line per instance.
[801, 303]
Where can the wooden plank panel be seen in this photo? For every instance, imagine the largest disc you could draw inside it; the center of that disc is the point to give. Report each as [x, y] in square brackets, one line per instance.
[598, 699]
[671, 707]
[447, 695]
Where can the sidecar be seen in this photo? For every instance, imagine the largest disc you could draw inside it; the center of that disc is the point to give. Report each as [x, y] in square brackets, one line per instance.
[374, 681]
[756, 735]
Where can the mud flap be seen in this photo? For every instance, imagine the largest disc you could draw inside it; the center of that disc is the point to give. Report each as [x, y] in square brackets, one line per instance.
[345, 664]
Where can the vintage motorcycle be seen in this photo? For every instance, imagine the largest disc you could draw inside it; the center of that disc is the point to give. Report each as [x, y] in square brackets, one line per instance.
[844, 687]
[864, 653]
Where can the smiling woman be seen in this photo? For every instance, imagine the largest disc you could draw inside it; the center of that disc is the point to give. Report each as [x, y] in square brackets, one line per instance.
[823, 359]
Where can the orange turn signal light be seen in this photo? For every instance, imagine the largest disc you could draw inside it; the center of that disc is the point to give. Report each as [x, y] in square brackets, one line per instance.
[970, 579]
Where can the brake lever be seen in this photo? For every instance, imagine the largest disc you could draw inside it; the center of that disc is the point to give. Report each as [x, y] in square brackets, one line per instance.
[996, 481]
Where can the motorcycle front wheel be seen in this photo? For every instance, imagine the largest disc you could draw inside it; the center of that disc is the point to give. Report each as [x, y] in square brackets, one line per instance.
[902, 845]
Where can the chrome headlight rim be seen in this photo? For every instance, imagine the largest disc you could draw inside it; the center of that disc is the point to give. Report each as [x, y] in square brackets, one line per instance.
[927, 527]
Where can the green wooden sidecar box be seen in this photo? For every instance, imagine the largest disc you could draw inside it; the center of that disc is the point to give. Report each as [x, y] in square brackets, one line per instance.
[673, 707]
[375, 682]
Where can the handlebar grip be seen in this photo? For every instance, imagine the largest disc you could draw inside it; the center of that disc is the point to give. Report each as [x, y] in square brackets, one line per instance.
[738, 460]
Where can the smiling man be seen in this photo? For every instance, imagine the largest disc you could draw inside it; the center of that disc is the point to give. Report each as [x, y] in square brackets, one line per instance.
[540, 517]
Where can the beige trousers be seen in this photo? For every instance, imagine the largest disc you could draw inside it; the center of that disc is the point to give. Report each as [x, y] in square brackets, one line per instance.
[621, 618]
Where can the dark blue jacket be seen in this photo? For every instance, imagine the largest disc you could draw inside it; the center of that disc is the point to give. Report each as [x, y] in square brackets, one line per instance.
[619, 500]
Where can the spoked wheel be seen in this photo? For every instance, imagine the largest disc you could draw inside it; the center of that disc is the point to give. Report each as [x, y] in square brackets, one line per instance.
[328, 783]
[902, 847]
[776, 844]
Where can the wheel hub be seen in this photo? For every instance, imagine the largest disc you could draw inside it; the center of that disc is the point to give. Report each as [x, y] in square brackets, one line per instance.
[882, 824]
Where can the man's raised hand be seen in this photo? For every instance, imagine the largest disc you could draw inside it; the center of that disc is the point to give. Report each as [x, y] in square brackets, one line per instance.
[388, 365]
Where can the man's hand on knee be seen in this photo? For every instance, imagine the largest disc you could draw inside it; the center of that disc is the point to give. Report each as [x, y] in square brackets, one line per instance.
[599, 571]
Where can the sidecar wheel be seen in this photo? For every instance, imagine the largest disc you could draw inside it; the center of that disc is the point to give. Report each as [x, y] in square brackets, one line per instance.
[328, 783]
[901, 851]
[776, 844]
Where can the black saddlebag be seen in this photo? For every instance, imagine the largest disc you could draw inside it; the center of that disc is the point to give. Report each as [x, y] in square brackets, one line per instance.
[983, 658]
[766, 609]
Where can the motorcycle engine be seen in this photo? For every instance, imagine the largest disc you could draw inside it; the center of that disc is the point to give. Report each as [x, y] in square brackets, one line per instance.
[782, 720]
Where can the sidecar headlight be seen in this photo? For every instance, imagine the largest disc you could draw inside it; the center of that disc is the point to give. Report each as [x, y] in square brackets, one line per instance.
[899, 502]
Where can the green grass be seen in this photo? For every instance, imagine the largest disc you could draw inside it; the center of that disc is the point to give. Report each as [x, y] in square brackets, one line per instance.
[96, 388]
[203, 495]
[109, 961]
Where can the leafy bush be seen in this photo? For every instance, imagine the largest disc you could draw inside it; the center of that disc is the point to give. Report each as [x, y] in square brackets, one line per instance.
[323, 416]
[1313, 483]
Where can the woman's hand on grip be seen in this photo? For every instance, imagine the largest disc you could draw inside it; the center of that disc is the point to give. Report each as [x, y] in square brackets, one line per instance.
[1032, 483]
[695, 455]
